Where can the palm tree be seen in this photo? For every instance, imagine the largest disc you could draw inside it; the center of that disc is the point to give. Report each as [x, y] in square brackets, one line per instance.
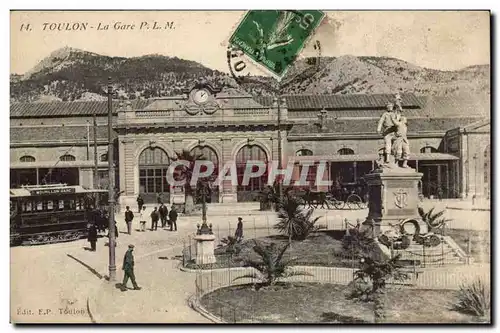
[272, 265]
[294, 220]
[433, 221]
[377, 272]
[185, 172]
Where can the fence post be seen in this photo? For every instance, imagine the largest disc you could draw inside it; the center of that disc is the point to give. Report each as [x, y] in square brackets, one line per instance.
[442, 252]
[468, 248]
[190, 254]
[234, 315]
[254, 229]
[268, 230]
[423, 252]
[183, 252]
[218, 234]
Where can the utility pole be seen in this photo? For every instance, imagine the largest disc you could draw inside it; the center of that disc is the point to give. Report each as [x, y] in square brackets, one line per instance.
[280, 166]
[88, 140]
[96, 173]
[111, 187]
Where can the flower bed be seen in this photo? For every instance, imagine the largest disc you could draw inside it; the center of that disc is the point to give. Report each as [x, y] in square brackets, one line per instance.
[322, 248]
[326, 303]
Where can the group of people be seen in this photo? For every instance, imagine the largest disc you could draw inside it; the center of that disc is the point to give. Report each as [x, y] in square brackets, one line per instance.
[158, 214]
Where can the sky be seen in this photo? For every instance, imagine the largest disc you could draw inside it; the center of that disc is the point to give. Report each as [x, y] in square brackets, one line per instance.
[435, 39]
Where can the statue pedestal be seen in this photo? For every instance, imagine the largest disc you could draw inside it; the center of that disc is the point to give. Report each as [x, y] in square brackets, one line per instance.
[393, 197]
[205, 247]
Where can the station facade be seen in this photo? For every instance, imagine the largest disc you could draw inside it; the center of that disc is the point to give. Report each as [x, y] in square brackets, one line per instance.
[53, 142]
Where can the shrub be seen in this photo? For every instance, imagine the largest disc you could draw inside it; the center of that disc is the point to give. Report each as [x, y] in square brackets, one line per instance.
[294, 220]
[271, 266]
[474, 298]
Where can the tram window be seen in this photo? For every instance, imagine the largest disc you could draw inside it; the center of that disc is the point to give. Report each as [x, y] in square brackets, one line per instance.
[61, 204]
[79, 204]
[39, 206]
[27, 206]
[50, 205]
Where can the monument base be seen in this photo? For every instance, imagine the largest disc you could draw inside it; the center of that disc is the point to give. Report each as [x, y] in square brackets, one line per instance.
[205, 247]
[393, 199]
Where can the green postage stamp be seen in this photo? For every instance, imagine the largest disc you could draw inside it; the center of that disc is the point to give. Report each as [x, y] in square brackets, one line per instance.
[274, 38]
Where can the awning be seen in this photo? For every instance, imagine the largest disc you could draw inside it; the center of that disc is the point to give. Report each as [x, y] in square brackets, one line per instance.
[57, 164]
[371, 157]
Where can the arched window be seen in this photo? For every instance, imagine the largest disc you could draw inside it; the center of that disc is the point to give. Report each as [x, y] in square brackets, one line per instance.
[67, 158]
[428, 149]
[304, 152]
[104, 157]
[27, 158]
[153, 167]
[208, 154]
[345, 151]
[247, 191]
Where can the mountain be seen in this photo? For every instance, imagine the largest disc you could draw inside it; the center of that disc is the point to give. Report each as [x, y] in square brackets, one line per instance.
[380, 75]
[72, 74]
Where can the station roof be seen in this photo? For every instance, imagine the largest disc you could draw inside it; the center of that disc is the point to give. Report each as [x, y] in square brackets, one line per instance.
[347, 126]
[371, 157]
[54, 133]
[356, 105]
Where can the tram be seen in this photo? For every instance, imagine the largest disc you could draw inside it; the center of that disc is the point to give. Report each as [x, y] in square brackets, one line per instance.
[53, 213]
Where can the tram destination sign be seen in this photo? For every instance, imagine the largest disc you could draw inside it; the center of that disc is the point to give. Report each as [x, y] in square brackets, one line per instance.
[48, 191]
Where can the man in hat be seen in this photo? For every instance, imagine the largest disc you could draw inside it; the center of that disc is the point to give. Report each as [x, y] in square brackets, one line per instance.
[173, 218]
[129, 216]
[128, 269]
[386, 127]
[92, 236]
[239, 230]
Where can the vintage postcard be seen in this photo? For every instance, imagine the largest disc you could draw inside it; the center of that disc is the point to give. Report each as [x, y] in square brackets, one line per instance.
[267, 166]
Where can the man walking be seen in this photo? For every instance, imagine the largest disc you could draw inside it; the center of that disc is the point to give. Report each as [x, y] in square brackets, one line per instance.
[142, 219]
[129, 216]
[239, 230]
[92, 238]
[163, 210]
[154, 219]
[173, 218]
[128, 269]
[140, 202]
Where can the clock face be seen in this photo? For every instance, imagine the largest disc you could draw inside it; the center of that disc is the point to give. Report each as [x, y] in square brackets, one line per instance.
[201, 96]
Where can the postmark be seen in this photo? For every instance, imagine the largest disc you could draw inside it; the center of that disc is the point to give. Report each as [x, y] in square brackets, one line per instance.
[274, 38]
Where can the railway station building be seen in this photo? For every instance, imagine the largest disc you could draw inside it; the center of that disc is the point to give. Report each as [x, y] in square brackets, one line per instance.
[54, 142]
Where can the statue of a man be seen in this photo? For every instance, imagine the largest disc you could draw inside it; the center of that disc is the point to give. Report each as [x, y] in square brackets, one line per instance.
[387, 128]
[401, 146]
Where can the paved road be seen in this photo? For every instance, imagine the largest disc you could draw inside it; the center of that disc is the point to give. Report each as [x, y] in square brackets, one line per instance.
[51, 283]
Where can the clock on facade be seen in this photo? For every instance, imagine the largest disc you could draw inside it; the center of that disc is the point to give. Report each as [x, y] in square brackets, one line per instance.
[201, 96]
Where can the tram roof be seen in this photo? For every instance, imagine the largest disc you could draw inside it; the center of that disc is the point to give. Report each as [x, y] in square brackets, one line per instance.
[27, 191]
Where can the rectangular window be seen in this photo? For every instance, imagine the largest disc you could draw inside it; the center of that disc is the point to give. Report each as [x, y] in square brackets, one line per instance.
[150, 188]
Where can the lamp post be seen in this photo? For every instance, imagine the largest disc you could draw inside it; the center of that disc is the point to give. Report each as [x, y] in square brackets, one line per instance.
[96, 173]
[111, 188]
[204, 229]
[277, 101]
[474, 197]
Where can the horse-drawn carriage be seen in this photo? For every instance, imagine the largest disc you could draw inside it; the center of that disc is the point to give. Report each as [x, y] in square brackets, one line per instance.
[346, 196]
